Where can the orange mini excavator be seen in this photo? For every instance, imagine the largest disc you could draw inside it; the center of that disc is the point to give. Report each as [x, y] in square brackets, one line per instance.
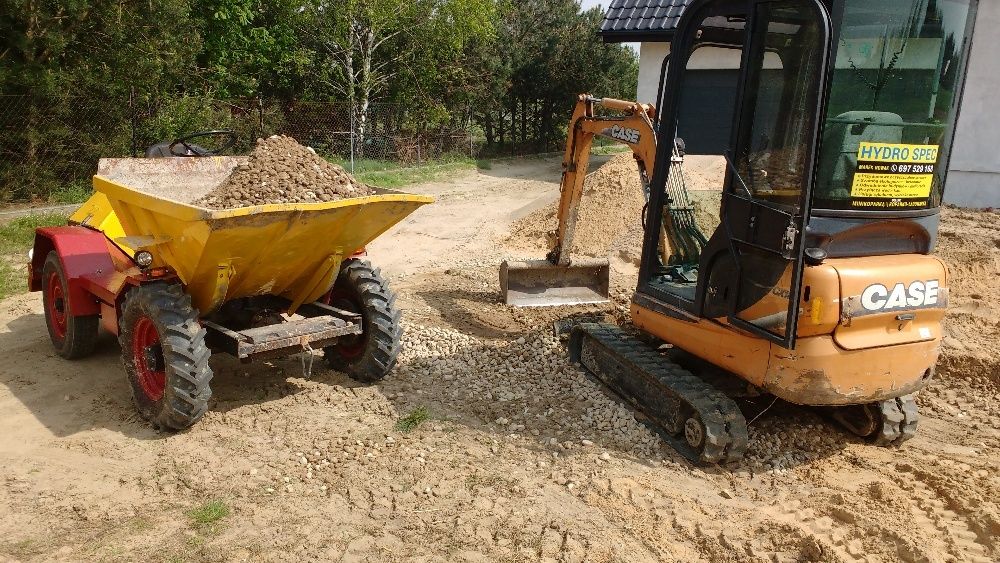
[818, 285]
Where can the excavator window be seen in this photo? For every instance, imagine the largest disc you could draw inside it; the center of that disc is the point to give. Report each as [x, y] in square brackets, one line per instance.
[777, 121]
[689, 218]
[772, 154]
[893, 102]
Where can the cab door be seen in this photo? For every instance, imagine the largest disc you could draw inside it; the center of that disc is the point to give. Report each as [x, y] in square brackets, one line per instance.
[766, 199]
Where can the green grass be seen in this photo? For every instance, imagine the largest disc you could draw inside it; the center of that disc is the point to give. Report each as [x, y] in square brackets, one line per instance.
[17, 235]
[389, 175]
[411, 421]
[16, 238]
[72, 193]
[209, 513]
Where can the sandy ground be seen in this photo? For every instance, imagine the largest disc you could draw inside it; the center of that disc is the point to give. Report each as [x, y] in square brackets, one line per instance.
[520, 461]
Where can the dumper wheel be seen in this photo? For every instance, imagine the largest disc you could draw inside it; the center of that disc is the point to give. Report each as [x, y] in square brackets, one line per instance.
[74, 336]
[165, 356]
[370, 356]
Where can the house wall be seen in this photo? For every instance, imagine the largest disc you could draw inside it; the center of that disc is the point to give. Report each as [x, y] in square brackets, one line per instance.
[650, 60]
[974, 177]
[651, 63]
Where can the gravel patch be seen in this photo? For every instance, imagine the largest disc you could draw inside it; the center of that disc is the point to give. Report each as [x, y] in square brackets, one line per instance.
[280, 170]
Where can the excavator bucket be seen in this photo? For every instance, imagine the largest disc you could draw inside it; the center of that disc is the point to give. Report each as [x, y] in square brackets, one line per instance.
[540, 283]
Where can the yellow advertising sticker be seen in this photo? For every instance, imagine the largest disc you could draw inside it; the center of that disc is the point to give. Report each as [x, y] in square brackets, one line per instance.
[892, 186]
[894, 171]
[887, 152]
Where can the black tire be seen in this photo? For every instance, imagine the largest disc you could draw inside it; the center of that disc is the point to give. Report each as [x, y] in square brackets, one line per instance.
[369, 356]
[165, 355]
[73, 336]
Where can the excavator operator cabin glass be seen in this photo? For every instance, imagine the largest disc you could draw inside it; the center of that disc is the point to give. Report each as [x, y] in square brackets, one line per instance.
[895, 84]
[772, 153]
[777, 120]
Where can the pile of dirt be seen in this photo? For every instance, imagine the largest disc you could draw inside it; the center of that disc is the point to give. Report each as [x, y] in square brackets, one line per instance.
[610, 214]
[969, 243]
[280, 170]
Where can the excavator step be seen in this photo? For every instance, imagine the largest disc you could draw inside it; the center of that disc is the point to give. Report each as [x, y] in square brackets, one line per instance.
[699, 421]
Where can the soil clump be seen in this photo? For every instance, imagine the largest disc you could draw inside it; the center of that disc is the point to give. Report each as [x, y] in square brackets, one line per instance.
[611, 211]
[280, 170]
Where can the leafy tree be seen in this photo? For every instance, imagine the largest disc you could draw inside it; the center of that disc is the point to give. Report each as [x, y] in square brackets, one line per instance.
[253, 48]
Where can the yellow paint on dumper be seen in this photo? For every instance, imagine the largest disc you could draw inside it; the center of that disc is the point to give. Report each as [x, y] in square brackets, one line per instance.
[277, 249]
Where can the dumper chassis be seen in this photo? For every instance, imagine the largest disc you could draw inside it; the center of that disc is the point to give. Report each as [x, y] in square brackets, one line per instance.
[165, 343]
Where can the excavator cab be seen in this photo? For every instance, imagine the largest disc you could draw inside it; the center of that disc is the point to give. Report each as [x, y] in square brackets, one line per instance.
[842, 127]
[818, 285]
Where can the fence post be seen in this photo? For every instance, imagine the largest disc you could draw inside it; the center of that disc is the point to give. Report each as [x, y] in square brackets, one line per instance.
[260, 117]
[133, 118]
[351, 110]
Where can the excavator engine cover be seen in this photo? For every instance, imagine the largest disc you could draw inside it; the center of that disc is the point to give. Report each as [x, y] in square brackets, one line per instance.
[540, 283]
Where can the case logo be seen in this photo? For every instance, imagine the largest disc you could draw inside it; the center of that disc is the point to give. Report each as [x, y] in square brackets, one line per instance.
[878, 297]
[625, 134]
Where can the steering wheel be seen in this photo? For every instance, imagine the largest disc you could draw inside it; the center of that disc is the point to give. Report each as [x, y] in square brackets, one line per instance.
[228, 140]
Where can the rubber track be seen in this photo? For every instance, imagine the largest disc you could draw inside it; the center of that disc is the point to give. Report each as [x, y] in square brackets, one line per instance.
[185, 353]
[900, 419]
[726, 434]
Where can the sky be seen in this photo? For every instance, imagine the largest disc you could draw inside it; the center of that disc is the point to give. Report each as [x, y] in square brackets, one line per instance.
[587, 4]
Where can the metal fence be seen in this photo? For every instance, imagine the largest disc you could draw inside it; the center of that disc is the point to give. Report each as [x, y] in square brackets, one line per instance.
[49, 149]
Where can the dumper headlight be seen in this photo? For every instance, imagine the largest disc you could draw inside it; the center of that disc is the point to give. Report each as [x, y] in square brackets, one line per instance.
[31, 255]
[144, 258]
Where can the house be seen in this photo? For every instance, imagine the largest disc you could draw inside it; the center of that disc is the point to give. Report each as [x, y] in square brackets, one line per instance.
[974, 175]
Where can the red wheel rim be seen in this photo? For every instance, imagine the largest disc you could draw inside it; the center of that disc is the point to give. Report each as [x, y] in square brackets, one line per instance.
[148, 356]
[57, 305]
[350, 347]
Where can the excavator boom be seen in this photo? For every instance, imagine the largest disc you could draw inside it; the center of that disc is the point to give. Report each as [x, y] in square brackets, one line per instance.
[560, 279]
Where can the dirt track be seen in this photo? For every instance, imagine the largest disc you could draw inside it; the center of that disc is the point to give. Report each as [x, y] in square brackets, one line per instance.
[518, 463]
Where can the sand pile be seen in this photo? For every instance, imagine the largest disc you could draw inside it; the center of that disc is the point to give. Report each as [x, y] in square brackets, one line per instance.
[969, 242]
[610, 219]
[280, 170]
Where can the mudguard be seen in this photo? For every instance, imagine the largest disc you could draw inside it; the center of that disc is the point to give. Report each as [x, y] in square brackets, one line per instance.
[82, 251]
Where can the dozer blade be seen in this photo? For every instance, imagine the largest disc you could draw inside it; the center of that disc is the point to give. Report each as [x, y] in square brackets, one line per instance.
[540, 283]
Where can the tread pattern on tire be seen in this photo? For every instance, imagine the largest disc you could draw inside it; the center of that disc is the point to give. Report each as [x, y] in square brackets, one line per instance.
[185, 354]
[383, 331]
[81, 331]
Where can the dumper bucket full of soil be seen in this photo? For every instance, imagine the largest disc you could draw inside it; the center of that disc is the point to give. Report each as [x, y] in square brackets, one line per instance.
[291, 249]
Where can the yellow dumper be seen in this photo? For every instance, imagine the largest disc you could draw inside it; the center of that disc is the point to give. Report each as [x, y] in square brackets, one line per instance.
[176, 281]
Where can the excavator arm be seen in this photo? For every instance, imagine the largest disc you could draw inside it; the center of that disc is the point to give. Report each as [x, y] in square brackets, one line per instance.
[634, 129]
[563, 280]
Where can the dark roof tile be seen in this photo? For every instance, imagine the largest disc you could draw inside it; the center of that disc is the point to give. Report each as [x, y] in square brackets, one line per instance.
[642, 17]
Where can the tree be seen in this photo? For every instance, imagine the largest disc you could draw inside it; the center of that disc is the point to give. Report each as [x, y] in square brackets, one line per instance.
[544, 55]
[73, 66]
[252, 48]
[401, 49]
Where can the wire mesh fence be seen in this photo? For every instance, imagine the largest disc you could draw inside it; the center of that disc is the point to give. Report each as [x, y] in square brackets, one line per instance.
[49, 148]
